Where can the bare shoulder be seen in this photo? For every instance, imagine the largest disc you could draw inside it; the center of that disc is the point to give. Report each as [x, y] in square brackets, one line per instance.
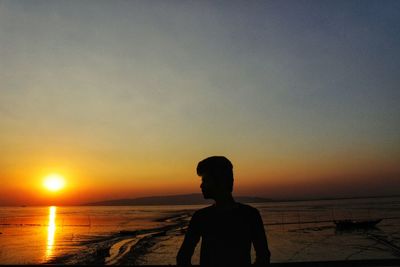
[247, 209]
[204, 212]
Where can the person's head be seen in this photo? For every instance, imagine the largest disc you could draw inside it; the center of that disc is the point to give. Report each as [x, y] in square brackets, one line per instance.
[217, 176]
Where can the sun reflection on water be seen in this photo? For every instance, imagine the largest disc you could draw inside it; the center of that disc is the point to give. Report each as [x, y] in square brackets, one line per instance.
[51, 232]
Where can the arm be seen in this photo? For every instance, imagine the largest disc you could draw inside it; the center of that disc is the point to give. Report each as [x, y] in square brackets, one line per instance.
[260, 242]
[190, 241]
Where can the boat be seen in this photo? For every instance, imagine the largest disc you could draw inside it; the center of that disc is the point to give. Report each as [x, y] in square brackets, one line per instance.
[355, 224]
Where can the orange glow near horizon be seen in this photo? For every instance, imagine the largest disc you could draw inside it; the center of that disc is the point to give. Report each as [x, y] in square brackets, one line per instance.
[83, 181]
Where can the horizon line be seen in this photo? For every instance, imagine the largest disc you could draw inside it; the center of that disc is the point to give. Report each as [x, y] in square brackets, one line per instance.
[270, 200]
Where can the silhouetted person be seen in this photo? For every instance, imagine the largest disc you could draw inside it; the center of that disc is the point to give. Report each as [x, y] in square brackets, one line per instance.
[227, 228]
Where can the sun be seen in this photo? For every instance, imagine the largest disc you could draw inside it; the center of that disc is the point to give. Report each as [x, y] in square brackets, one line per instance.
[54, 182]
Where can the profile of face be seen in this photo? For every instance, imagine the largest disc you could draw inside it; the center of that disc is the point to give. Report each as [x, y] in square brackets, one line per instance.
[208, 187]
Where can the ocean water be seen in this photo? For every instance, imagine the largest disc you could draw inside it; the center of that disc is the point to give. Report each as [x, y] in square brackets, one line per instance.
[296, 231]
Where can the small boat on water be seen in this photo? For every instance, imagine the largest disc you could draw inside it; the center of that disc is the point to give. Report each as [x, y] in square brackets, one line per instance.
[354, 224]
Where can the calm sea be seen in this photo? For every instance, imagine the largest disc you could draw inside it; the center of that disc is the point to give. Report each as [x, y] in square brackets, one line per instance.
[297, 231]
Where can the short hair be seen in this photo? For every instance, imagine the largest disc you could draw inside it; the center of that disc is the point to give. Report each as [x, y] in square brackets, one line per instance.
[220, 168]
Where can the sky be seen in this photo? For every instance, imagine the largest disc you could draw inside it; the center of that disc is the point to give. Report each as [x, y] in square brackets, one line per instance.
[124, 98]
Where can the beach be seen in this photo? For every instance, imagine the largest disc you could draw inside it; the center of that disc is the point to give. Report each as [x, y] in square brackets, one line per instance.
[297, 231]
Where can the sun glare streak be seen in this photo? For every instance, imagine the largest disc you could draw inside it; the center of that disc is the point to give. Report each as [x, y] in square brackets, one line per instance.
[51, 232]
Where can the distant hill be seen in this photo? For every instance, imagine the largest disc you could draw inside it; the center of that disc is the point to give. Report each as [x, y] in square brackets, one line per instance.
[190, 199]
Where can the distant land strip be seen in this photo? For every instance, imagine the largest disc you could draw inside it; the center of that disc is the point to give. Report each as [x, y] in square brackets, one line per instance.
[188, 199]
[197, 199]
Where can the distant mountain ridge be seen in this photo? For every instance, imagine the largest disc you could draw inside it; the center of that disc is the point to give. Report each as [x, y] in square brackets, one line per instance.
[188, 199]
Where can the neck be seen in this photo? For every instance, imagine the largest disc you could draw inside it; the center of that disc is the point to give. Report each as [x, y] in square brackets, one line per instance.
[224, 201]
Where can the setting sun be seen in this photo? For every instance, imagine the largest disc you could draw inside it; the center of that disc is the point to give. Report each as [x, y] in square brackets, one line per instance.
[54, 182]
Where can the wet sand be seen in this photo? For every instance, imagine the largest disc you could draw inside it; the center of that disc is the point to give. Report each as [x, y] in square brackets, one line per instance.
[126, 247]
[158, 246]
[297, 232]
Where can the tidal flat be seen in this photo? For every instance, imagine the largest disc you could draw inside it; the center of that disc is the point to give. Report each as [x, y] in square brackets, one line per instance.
[151, 235]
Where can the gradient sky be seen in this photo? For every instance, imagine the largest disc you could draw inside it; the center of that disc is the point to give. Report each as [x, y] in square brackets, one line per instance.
[123, 98]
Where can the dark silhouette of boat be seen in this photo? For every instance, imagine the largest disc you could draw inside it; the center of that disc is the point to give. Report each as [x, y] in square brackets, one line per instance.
[354, 224]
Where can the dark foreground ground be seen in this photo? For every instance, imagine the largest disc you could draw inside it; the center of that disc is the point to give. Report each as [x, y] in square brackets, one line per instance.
[347, 263]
